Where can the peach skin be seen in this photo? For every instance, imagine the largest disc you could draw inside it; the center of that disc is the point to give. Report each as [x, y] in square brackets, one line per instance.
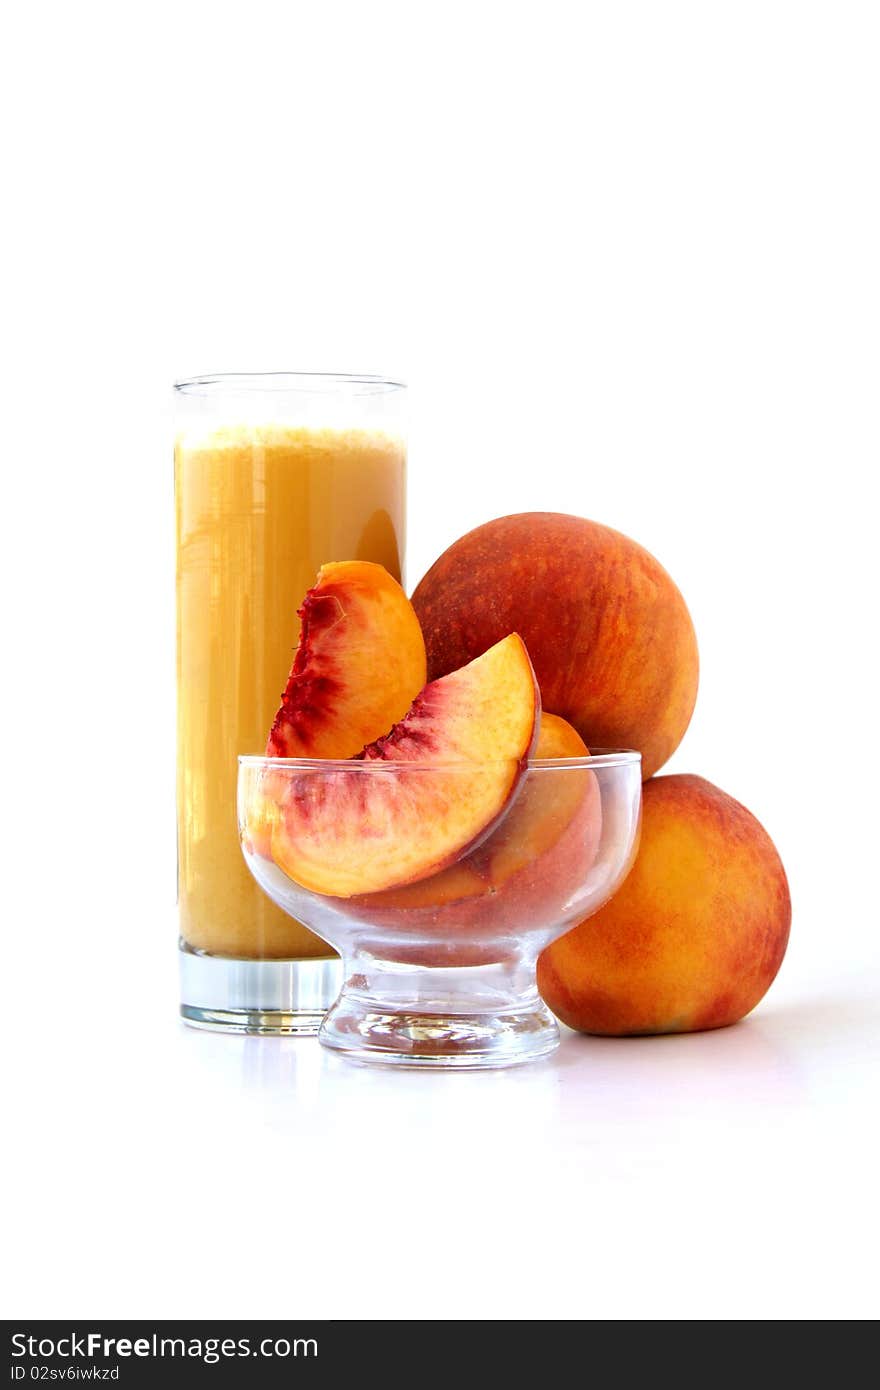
[695, 935]
[610, 637]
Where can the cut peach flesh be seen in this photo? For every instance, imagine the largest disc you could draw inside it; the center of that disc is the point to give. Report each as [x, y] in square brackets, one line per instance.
[359, 664]
[543, 811]
[545, 808]
[430, 790]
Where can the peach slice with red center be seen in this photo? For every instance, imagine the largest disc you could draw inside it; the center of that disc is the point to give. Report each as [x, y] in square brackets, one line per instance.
[536, 858]
[424, 794]
[358, 667]
[357, 625]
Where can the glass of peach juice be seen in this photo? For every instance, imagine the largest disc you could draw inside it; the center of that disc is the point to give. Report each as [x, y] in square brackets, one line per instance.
[275, 475]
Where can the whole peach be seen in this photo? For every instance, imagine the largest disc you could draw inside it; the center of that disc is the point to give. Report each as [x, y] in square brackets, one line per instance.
[610, 637]
[695, 935]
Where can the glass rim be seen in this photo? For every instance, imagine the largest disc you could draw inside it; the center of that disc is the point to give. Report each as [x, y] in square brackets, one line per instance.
[305, 383]
[608, 757]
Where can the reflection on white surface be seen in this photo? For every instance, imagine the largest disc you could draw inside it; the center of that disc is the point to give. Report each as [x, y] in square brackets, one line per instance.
[751, 1064]
[297, 1081]
[726, 1174]
[743, 1064]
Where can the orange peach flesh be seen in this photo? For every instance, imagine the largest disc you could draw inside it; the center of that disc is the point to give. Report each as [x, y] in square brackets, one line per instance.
[362, 829]
[525, 872]
[534, 824]
[359, 664]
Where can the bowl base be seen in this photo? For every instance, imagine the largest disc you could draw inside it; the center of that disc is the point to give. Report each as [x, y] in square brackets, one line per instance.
[465, 1018]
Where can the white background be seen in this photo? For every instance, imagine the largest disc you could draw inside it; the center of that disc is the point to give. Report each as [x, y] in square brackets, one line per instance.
[626, 255]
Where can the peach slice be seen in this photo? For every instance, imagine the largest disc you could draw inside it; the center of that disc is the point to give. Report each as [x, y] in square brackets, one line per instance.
[545, 809]
[448, 773]
[358, 667]
[532, 862]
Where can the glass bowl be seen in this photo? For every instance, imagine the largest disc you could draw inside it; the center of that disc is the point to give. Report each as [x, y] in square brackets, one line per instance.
[439, 971]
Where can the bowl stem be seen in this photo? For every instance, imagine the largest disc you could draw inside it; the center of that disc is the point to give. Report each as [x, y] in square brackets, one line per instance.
[472, 1016]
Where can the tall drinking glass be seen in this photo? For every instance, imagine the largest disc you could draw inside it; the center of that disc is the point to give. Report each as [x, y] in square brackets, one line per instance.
[275, 475]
